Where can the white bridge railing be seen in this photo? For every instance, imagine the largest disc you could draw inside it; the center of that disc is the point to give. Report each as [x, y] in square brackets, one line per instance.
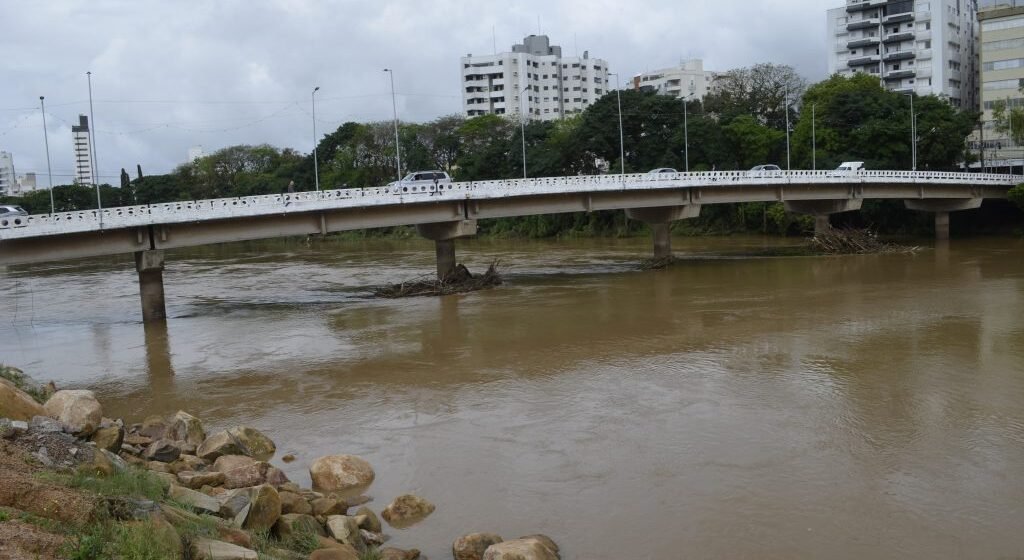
[250, 206]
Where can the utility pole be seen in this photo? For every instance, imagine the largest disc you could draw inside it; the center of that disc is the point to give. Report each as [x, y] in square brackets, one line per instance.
[622, 142]
[522, 125]
[316, 169]
[788, 168]
[46, 138]
[92, 141]
[394, 108]
[814, 140]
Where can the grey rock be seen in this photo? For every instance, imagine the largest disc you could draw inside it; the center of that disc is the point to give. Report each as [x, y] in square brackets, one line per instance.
[45, 424]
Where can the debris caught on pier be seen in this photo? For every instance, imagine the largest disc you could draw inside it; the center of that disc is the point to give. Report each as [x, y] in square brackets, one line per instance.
[851, 241]
[461, 280]
[658, 263]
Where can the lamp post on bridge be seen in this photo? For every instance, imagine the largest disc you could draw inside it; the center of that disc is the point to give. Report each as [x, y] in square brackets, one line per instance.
[46, 138]
[394, 109]
[92, 141]
[686, 132]
[522, 125]
[316, 168]
[788, 167]
[814, 139]
[622, 142]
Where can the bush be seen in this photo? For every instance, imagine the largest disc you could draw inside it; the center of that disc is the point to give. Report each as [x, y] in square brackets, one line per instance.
[1016, 196]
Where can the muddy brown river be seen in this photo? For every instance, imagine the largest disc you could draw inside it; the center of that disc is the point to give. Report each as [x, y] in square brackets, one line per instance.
[730, 407]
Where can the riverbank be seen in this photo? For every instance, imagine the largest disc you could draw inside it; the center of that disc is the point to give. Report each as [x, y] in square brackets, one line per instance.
[75, 484]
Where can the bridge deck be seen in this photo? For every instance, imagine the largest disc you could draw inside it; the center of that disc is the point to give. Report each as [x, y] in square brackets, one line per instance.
[692, 188]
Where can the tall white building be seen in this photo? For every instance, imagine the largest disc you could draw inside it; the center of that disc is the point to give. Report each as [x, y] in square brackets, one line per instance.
[689, 78]
[83, 153]
[534, 81]
[27, 183]
[924, 46]
[7, 181]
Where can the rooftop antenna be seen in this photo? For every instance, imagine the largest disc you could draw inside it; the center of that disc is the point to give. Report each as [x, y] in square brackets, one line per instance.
[494, 38]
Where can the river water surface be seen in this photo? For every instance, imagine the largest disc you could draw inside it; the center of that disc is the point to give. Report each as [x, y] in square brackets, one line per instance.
[849, 407]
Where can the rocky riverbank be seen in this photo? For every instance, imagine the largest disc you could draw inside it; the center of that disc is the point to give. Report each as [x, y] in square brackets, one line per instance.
[75, 484]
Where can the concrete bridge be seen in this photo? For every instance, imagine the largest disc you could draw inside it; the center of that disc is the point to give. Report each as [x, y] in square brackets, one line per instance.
[447, 212]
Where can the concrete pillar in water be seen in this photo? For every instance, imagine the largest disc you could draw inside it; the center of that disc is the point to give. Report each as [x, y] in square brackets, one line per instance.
[150, 266]
[821, 223]
[444, 235]
[662, 240]
[942, 226]
[660, 219]
[942, 207]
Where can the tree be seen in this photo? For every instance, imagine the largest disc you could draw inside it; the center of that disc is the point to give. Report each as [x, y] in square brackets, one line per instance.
[1009, 121]
[759, 91]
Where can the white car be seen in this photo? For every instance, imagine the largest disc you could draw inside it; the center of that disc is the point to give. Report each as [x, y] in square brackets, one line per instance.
[661, 170]
[8, 211]
[766, 170]
[422, 182]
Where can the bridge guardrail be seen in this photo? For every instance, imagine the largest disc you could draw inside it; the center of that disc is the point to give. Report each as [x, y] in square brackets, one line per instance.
[228, 208]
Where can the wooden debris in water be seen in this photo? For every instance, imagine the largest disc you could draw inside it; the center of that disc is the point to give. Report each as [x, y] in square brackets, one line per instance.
[459, 281]
[849, 241]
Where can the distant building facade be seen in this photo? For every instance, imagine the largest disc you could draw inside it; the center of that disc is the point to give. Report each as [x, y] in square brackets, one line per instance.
[7, 181]
[1002, 75]
[922, 46]
[81, 136]
[27, 183]
[683, 81]
[533, 81]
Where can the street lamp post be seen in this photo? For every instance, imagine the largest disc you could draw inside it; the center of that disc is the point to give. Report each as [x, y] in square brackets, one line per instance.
[316, 168]
[394, 109]
[686, 134]
[788, 167]
[522, 125]
[913, 135]
[622, 142]
[92, 141]
[46, 138]
[814, 140]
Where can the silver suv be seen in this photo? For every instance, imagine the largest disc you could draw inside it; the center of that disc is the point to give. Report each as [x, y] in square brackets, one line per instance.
[423, 182]
[12, 216]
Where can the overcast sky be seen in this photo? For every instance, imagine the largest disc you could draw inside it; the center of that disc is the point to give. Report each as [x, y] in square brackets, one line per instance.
[172, 74]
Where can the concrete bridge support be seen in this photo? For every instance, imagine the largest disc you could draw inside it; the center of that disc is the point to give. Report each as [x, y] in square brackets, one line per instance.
[660, 219]
[150, 266]
[942, 208]
[823, 209]
[444, 235]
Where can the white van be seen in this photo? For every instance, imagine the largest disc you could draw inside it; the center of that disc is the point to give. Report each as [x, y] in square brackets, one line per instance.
[851, 166]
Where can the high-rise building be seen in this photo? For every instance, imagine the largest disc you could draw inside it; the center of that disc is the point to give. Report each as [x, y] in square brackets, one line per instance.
[27, 183]
[686, 80]
[7, 180]
[1002, 75]
[534, 81]
[83, 153]
[922, 46]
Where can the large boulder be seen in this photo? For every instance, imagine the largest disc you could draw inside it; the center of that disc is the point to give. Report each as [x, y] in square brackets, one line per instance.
[153, 427]
[187, 463]
[196, 480]
[197, 500]
[187, 428]
[162, 450]
[323, 507]
[291, 524]
[473, 545]
[406, 510]
[294, 503]
[235, 506]
[264, 510]
[343, 552]
[17, 404]
[109, 437]
[240, 440]
[368, 520]
[78, 410]
[345, 530]
[340, 473]
[390, 553]
[528, 548]
[253, 474]
[207, 549]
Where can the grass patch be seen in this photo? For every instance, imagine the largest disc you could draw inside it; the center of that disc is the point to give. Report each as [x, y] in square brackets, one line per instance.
[124, 541]
[371, 553]
[302, 540]
[48, 525]
[133, 482]
[4, 516]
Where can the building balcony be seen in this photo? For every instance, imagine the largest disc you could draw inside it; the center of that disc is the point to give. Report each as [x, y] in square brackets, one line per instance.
[899, 74]
[924, 54]
[862, 42]
[863, 61]
[923, 16]
[862, 24]
[898, 18]
[866, 5]
[899, 55]
[903, 89]
[897, 37]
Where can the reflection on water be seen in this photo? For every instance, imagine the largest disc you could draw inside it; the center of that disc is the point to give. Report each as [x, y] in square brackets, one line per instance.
[728, 407]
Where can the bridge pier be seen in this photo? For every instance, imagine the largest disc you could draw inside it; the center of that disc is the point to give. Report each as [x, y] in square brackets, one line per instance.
[150, 266]
[660, 220]
[822, 210]
[444, 235]
[942, 208]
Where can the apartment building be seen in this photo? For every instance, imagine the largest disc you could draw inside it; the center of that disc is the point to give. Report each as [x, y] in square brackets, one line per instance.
[7, 181]
[686, 80]
[922, 46]
[80, 134]
[533, 81]
[1002, 75]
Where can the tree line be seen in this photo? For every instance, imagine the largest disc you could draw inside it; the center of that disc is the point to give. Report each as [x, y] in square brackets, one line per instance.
[741, 123]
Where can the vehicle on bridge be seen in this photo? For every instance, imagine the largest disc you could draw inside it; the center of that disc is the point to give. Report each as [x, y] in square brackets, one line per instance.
[660, 171]
[848, 168]
[766, 170]
[11, 215]
[422, 182]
